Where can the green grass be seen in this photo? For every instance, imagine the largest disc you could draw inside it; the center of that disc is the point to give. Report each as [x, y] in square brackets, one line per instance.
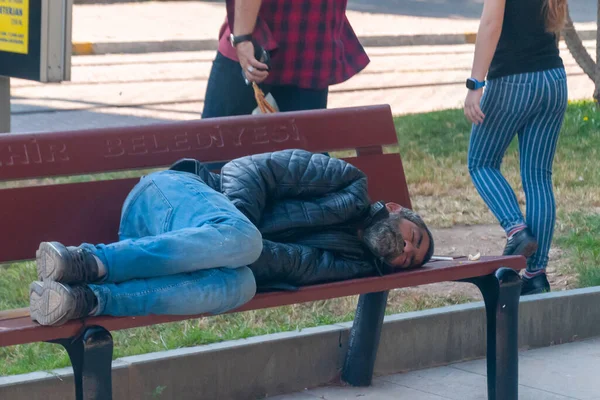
[580, 238]
[434, 151]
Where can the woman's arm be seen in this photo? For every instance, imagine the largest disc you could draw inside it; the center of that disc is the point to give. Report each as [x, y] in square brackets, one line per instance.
[488, 35]
[490, 28]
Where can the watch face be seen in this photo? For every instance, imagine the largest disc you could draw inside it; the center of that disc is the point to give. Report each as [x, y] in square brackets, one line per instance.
[470, 84]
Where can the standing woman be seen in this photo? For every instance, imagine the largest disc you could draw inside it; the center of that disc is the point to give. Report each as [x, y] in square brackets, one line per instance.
[526, 94]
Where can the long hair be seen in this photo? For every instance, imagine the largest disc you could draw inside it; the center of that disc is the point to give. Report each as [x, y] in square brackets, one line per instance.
[556, 14]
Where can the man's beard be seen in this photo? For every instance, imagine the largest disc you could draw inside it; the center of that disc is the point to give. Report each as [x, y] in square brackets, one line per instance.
[384, 238]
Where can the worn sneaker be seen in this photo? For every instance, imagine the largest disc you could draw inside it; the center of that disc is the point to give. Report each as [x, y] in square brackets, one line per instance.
[53, 303]
[522, 243]
[56, 262]
[536, 285]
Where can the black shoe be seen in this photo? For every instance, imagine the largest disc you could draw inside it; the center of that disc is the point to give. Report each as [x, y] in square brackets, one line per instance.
[536, 285]
[56, 262]
[53, 303]
[522, 243]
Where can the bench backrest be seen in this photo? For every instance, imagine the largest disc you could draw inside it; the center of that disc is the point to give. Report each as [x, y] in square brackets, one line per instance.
[78, 212]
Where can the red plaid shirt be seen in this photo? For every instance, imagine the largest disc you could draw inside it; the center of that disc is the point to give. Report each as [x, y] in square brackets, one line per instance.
[311, 42]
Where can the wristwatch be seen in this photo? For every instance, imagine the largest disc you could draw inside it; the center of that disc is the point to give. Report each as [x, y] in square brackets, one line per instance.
[474, 84]
[235, 40]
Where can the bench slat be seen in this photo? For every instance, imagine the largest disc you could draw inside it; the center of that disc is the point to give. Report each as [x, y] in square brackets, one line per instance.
[23, 330]
[386, 178]
[110, 149]
[72, 214]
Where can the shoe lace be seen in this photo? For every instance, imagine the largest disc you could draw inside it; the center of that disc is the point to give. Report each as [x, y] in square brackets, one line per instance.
[85, 300]
[83, 265]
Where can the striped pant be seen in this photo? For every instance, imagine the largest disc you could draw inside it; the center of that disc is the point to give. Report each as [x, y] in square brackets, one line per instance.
[531, 105]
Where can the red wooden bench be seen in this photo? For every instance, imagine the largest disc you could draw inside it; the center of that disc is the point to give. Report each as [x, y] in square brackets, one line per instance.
[89, 212]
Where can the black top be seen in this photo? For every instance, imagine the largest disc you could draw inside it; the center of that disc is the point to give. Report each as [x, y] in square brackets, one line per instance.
[524, 44]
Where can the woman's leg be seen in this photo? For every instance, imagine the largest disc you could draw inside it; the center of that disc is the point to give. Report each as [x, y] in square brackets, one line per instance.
[537, 144]
[504, 104]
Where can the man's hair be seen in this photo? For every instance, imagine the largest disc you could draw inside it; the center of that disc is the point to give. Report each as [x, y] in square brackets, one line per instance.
[385, 240]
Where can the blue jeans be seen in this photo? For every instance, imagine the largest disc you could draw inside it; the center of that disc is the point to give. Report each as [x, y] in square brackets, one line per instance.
[531, 105]
[184, 249]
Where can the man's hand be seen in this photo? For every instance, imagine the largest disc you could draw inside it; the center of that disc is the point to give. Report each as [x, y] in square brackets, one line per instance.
[254, 70]
[472, 106]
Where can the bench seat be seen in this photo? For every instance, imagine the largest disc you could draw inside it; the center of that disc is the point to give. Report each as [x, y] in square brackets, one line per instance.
[17, 328]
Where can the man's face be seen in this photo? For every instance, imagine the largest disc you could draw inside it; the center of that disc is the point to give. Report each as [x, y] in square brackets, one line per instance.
[415, 248]
[397, 240]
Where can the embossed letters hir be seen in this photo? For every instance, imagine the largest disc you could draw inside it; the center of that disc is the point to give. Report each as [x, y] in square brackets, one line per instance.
[32, 152]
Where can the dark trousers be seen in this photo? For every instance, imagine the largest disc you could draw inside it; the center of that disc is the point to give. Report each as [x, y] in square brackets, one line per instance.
[228, 95]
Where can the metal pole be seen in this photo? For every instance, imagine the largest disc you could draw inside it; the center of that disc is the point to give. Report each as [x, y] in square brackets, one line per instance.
[4, 104]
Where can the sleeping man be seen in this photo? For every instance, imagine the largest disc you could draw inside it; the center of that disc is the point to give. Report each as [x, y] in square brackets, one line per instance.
[192, 241]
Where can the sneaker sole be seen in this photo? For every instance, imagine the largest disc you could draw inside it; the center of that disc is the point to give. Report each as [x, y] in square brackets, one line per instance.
[526, 250]
[50, 303]
[49, 262]
[35, 294]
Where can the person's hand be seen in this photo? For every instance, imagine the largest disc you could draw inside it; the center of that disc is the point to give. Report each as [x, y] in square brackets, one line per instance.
[254, 70]
[472, 106]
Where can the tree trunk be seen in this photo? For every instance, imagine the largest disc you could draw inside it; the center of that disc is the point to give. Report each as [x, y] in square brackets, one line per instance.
[580, 53]
[597, 71]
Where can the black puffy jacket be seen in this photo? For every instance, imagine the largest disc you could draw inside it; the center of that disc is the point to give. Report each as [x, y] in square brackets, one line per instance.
[308, 208]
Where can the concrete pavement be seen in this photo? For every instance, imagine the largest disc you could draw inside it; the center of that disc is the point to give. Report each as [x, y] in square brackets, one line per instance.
[194, 25]
[135, 89]
[565, 372]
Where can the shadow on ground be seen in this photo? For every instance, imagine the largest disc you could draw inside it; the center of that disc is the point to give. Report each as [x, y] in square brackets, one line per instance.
[28, 119]
[581, 10]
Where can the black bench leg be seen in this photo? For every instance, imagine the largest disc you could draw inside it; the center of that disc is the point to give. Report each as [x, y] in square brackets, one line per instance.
[91, 357]
[501, 292]
[364, 339]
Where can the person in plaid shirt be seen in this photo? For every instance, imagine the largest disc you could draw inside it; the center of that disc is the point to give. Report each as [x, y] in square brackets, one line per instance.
[311, 46]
